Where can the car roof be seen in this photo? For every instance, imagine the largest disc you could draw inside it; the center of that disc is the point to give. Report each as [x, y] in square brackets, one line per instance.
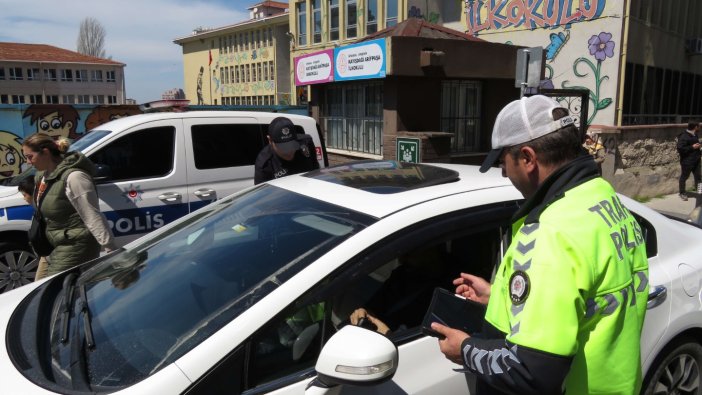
[137, 119]
[373, 188]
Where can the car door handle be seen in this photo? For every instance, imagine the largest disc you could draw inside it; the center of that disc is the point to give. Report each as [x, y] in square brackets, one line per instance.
[656, 296]
[204, 192]
[169, 196]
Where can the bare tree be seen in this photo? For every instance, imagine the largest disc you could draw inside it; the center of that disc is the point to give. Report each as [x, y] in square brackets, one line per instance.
[91, 38]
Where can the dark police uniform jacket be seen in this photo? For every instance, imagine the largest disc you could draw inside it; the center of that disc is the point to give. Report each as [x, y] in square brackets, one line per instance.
[270, 166]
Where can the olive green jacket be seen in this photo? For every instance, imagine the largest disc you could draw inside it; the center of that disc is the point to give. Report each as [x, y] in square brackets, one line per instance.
[73, 243]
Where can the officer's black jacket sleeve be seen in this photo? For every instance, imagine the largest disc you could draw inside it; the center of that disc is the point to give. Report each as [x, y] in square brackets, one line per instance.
[262, 169]
[514, 369]
[685, 142]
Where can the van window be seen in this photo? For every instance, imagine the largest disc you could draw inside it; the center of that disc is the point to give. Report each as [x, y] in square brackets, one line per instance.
[146, 153]
[217, 146]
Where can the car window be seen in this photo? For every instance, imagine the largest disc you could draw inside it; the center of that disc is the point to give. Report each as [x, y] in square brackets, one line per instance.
[156, 300]
[649, 234]
[145, 153]
[218, 146]
[394, 284]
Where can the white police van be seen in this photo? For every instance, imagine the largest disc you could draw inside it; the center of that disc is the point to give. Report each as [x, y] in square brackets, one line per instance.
[152, 169]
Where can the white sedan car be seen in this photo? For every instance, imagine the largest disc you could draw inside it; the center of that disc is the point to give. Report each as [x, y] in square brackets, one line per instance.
[252, 294]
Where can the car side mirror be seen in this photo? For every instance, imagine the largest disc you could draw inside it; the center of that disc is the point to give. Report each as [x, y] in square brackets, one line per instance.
[102, 173]
[354, 356]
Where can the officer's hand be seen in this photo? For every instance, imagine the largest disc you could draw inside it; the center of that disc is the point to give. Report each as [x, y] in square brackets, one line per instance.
[473, 287]
[696, 145]
[450, 345]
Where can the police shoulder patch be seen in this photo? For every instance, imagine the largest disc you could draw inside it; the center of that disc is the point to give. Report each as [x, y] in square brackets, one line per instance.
[519, 287]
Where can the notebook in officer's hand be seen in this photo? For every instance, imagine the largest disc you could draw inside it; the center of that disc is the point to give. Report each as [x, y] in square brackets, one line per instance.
[453, 311]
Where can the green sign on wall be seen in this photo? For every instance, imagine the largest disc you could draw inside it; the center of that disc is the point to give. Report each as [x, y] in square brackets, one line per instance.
[408, 150]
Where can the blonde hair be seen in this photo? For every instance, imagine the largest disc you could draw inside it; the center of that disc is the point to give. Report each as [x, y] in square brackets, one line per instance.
[39, 141]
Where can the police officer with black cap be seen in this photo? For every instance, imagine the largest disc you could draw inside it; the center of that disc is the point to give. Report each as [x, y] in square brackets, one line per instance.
[286, 152]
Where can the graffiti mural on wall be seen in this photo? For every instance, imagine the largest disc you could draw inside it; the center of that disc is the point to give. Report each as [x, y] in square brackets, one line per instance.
[578, 36]
[56, 120]
[12, 161]
[529, 14]
[601, 47]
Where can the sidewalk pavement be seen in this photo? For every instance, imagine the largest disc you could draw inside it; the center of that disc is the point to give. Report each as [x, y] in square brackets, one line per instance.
[673, 205]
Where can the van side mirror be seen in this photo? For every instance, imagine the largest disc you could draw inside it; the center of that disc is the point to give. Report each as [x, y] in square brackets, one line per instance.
[103, 173]
[354, 356]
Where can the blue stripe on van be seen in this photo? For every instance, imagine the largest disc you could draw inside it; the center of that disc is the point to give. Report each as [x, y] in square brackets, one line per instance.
[16, 213]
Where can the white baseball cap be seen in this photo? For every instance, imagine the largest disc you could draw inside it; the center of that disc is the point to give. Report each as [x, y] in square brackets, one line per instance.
[523, 120]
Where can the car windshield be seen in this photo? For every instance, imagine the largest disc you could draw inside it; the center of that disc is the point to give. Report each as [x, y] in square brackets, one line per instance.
[155, 301]
[88, 139]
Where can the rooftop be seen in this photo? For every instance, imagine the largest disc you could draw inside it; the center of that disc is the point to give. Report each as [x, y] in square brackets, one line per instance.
[416, 27]
[46, 53]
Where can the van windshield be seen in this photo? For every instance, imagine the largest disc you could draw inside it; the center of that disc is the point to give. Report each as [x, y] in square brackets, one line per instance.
[88, 139]
[156, 300]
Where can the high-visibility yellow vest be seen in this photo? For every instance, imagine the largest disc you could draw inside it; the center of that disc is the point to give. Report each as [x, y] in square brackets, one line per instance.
[576, 284]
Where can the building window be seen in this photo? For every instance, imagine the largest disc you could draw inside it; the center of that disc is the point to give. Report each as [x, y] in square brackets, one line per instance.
[221, 75]
[50, 75]
[33, 75]
[18, 99]
[81, 75]
[16, 73]
[35, 99]
[353, 117]
[231, 74]
[2, 74]
[390, 13]
[371, 16]
[302, 23]
[4, 99]
[83, 99]
[69, 99]
[110, 76]
[265, 37]
[66, 75]
[258, 39]
[270, 37]
[52, 99]
[333, 20]
[98, 99]
[317, 21]
[259, 68]
[112, 99]
[248, 73]
[236, 73]
[265, 71]
[97, 75]
[271, 70]
[460, 114]
[351, 18]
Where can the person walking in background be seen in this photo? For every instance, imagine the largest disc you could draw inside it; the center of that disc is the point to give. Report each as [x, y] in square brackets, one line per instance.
[66, 196]
[286, 152]
[594, 148]
[567, 305]
[688, 146]
[26, 188]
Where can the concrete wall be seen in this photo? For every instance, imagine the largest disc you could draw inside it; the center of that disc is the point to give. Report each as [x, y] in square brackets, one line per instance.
[641, 160]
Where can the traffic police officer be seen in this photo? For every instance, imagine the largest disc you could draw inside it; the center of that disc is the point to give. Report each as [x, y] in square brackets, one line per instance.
[566, 307]
[286, 153]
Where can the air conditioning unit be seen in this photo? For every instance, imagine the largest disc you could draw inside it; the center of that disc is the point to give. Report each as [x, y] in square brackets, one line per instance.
[693, 46]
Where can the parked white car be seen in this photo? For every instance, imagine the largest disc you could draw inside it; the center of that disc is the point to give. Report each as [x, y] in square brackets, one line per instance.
[251, 294]
[153, 169]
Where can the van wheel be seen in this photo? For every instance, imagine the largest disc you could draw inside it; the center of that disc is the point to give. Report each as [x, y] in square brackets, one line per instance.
[18, 265]
[678, 370]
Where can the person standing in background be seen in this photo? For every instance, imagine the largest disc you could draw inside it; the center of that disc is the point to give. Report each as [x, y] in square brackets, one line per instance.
[594, 148]
[66, 196]
[688, 146]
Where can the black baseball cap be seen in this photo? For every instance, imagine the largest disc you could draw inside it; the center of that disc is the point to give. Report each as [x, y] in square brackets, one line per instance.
[282, 132]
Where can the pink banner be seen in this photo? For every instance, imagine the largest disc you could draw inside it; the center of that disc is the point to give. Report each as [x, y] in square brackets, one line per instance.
[314, 68]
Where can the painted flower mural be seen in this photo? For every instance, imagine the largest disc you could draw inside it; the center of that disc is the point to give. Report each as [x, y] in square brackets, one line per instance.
[601, 47]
